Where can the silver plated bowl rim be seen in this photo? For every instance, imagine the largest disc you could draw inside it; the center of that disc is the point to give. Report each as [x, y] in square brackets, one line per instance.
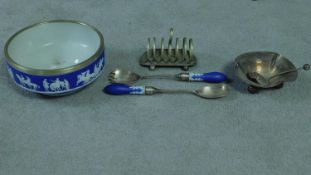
[54, 71]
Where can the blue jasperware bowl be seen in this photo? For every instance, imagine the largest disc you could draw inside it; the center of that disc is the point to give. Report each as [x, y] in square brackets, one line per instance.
[55, 57]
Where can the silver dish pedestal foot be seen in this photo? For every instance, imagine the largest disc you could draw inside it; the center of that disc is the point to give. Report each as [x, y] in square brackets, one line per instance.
[254, 90]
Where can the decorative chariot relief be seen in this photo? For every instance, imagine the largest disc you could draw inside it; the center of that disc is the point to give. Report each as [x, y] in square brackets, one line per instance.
[86, 76]
[26, 82]
[56, 85]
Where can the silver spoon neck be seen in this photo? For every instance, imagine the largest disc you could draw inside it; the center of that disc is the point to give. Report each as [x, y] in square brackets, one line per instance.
[162, 76]
[177, 91]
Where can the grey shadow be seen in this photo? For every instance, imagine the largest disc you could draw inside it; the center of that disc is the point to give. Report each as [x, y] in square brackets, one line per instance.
[235, 82]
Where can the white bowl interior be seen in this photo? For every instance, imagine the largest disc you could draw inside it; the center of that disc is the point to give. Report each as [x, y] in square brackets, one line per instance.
[54, 45]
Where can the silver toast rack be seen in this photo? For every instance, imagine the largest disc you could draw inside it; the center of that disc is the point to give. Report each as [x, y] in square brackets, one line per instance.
[169, 57]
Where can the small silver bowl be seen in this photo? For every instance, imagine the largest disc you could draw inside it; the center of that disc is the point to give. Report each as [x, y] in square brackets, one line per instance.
[55, 57]
[262, 70]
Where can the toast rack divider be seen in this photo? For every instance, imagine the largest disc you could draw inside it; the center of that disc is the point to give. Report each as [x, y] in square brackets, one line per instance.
[172, 56]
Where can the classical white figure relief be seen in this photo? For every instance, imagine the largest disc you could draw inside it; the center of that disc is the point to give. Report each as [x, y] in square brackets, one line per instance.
[11, 73]
[56, 85]
[86, 76]
[46, 85]
[26, 82]
[98, 67]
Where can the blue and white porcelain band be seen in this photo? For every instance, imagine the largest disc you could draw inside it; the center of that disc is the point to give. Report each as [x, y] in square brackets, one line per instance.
[195, 77]
[137, 90]
[57, 84]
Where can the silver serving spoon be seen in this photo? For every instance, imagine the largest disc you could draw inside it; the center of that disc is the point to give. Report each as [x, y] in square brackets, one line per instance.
[210, 91]
[276, 78]
[128, 77]
[305, 67]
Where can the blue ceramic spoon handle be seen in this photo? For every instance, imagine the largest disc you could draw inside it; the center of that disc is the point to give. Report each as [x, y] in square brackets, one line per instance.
[122, 89]
[211, 77]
